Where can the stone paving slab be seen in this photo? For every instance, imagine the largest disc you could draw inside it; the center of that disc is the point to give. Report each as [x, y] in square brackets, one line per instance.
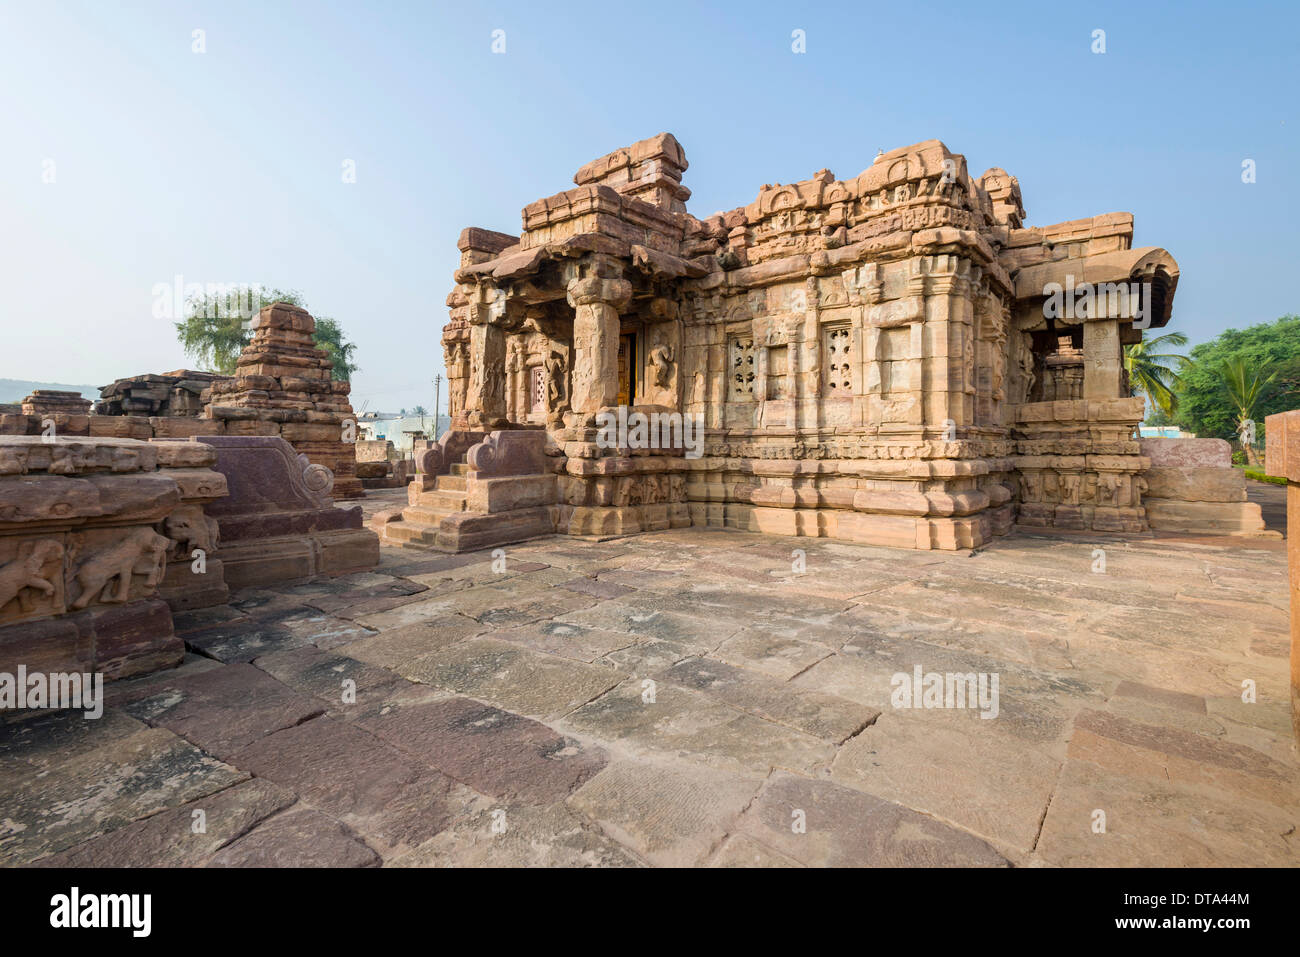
[176, 838]
[225, 710]
[673, 698]
[843, 827]
[513, 677]
[66, 785]
[691, 723]
[497, 753]
[299, 838]
[336, 767]
[671, 814]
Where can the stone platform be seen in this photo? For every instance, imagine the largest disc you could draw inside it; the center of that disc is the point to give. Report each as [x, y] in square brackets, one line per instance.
[675, 697]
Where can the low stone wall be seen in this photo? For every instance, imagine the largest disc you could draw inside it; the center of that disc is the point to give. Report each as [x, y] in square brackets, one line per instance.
[85, 540]
[1193, 488]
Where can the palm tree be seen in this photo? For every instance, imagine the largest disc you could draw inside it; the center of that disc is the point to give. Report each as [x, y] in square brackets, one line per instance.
[1151, 371]
[421, 411]
[1244, 382]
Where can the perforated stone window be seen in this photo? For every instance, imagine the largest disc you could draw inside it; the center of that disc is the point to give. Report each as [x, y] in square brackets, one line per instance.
[839, 370]
[537, 388]
[741, 369]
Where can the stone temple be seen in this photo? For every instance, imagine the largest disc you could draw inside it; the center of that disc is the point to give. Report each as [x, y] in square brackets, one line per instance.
[892, 359]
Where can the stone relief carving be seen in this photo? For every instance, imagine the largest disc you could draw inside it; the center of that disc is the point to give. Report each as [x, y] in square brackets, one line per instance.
[661, 360]
[557, 382]
[189, 528]
[27, 572]
[139, 551]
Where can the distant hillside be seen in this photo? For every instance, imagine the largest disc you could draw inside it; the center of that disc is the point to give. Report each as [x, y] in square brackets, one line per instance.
[15, 390]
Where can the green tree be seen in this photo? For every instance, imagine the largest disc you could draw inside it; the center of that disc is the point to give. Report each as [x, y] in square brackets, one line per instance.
[216, 330]
[329, 336]
[1244, 385]
[1204, 406]
[1152, 372]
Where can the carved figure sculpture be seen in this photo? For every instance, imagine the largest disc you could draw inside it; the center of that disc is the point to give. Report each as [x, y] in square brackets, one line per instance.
[556, 382]
[661, 358]
[139, 550]
[24, 573]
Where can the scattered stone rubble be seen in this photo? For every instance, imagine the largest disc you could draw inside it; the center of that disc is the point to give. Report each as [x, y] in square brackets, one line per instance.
[180, 393]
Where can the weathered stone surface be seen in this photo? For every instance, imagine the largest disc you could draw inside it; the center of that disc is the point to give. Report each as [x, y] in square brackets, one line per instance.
[689, 723]
[1187, 453]
[299, 838]
[226, 709]
[172, 838]
[495, 752]
[1150, 822]
[671, 813]
[392, 801]
[515, 678]
[67, 779]
[847, 828]
[524, 836]
[824, 716]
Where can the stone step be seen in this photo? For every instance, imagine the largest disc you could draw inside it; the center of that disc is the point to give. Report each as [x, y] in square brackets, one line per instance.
[426, 515]
[451, 483]
[459, 468]
[445, 501]
[403, 533]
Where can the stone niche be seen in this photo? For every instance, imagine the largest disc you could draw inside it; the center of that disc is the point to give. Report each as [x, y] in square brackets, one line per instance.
[85, 528]
[279, 522]
[283, 387]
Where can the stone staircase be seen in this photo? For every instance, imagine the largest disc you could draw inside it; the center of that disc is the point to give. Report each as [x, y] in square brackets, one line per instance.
[475, 490]
[421, 518]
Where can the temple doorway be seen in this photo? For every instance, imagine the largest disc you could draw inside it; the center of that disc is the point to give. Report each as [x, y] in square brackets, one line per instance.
[626, 368]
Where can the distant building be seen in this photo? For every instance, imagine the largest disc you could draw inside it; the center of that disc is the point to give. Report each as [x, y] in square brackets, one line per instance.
[402, 431]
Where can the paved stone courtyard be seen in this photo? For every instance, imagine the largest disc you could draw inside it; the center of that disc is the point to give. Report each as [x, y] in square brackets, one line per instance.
[688, 698]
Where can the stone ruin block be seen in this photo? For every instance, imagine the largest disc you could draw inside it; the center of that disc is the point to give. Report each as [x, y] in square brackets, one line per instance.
[283, 386]
[279, 523]
[181, 393]
[1193, 488]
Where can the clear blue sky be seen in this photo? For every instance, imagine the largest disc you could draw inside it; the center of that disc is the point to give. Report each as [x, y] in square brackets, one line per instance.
[226, 166]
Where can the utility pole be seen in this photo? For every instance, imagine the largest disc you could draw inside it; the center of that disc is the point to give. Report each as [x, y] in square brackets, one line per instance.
[437, 397]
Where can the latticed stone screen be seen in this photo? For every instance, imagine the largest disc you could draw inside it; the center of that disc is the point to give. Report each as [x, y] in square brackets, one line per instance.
[839, 371]
[741, 352]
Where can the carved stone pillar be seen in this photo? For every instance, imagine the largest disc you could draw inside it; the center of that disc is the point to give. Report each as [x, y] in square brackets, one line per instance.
[1103, 363]
[597, 300]
[485, 397]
